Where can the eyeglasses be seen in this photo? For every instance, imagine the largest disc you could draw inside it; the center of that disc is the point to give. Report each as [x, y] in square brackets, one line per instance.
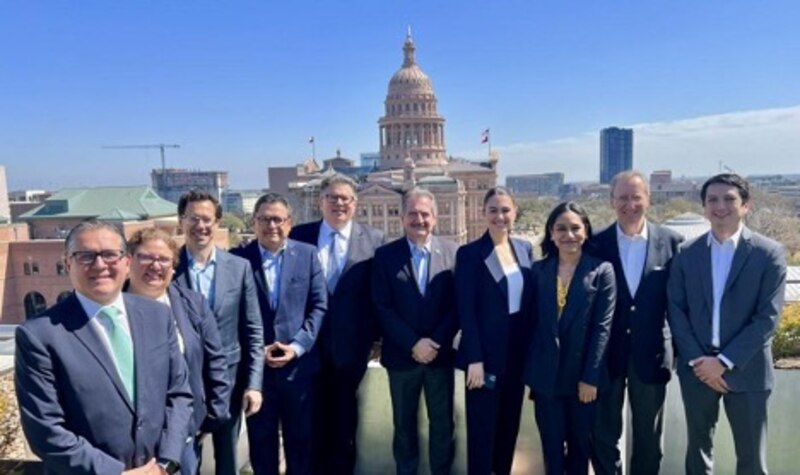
[195, 220]
[267, 220]
[625, 199]
[335, 199]
[87, 258]
[149, 259]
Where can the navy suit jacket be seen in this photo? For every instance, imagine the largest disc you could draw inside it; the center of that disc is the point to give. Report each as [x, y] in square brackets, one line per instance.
[572, 348]
[302, 301]
[205, 358]
[350, 324]
[75, 412]
[482, 303]
[751, 306]
[404, 313]
[640, 333]
[235, 308]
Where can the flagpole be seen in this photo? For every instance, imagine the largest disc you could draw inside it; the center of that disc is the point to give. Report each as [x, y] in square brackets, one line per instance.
[313, 142]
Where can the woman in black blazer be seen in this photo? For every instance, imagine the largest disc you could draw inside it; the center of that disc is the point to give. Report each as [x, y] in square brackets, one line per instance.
[153, 256]
[573, 297]
[492, 287]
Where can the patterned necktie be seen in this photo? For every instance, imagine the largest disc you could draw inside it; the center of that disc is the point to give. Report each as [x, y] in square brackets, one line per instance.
[333, 264]
[121, 346]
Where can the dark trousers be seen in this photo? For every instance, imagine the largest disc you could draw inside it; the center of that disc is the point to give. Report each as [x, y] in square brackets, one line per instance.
[286, 409]
[406, 387]
[336, 418]
[565, 423]
[493, 418]
[747, 415]
[647, 413]
[226, 437]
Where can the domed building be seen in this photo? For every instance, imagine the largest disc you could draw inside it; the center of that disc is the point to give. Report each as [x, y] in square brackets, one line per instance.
[412, 153]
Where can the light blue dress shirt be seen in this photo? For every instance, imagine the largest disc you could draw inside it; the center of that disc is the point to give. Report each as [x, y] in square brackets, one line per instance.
[203, 276]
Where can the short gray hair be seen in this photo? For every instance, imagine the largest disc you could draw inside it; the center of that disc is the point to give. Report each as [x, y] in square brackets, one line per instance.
[418, 192]
[272, 198]
[93, 225]
[627, 175]
[337, 179]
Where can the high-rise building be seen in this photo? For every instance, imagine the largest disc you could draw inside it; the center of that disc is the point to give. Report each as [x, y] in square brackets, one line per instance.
[616, 152]
[171, 183]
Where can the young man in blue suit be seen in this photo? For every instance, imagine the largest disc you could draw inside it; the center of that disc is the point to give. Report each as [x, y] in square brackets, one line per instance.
[345, 249]
[292, 297]
[726, 291]
[226, 282]
[412, 287]
[640, 356]
[101, 383]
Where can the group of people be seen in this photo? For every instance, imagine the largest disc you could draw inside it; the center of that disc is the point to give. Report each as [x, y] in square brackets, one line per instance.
[160, 346]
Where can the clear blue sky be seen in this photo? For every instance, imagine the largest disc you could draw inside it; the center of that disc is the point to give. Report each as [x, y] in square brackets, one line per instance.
[241, 85]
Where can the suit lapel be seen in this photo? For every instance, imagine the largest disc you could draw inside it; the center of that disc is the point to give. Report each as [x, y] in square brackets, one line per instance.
[92, 341]
[743, 249]
[182, 274]
[655, 246]
[403, 255]
[288, 264]
[437, 258]
[253, 253]
[182, 319]
[492, 263]
[705, 270]
[221, 283]
[355, 248]
[136, 322]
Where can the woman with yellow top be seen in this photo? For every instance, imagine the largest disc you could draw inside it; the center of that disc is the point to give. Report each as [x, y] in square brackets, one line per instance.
[573, 303]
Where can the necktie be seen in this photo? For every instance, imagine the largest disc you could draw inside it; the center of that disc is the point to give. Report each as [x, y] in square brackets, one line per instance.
[333, 264]
[421, 267]
[121, 346]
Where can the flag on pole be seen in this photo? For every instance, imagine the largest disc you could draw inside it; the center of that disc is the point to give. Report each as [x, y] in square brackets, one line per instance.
[311, 139]
[485, 136]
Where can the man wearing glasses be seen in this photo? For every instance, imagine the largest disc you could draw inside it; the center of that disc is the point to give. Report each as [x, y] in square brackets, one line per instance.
[345, 249]
[226, 282]
[101, 383]
[292, 298]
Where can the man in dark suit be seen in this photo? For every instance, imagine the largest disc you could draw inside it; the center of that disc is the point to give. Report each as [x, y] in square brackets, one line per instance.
[226, 282]
[345, 249]
[726, 291]
[412, 288]
[292, 297]
[640, 350]
[101, 382]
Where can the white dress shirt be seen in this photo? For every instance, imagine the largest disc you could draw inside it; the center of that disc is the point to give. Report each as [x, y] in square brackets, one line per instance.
[632, 255]
[721, 260]
[515, 283]
[341, 245]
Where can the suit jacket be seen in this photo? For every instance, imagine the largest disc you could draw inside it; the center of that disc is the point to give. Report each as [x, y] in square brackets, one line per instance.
[482, 304]
[236, 311]
[302, 301]
[405, 315]
[639, 332]
[205, 358]
[75, 411]
[751, 305]
[572, 348]
[350, 323]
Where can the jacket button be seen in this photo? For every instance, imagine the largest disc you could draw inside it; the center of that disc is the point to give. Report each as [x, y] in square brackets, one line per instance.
[628, 331]
[633, 308]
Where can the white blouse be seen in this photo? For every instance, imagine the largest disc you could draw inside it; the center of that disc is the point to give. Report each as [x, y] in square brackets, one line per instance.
[515, 282]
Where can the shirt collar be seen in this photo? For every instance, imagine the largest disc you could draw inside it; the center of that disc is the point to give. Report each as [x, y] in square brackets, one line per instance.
[326, 229]
[267, 254]
[413, 246]
[91, 307]
[212, 259]
[734, 239]
[640, 235]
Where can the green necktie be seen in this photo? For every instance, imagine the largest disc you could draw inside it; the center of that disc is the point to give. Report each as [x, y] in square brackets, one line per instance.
[121, 346]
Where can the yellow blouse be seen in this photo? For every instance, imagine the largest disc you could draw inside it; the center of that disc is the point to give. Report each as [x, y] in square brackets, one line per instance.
[562, 288]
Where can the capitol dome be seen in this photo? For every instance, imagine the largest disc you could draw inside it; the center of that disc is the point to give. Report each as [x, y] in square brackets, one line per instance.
[409, 79]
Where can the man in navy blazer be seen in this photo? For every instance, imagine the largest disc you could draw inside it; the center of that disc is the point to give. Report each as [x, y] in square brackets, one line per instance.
[640, 355]
[349, 331]
[726, 291]
[293, 298]
[101, 383]
[226, 282]
[412, 287]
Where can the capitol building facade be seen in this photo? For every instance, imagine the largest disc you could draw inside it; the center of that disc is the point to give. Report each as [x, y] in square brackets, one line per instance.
[412, 153]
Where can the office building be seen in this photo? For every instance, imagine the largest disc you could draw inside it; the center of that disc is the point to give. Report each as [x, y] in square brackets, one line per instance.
[616, 152]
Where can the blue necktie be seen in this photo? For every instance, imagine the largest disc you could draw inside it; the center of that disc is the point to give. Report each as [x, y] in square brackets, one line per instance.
[421, 267]
[121, 346]
[333, 264]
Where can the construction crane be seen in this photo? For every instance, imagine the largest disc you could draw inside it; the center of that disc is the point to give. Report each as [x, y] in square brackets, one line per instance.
[160, 146]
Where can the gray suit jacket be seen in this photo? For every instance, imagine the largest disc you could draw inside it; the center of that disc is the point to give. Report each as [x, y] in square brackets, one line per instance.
[74, 409]
[749, 312]
[236, 310]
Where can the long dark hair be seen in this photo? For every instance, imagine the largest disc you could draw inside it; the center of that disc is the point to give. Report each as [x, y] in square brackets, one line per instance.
[548, 247]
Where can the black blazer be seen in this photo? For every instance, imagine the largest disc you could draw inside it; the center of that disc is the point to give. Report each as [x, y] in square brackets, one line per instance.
[572, 348]
[405, 315]
[301, 307]
[640, 332]
[205, 359]
[482, 302]
[350, 326]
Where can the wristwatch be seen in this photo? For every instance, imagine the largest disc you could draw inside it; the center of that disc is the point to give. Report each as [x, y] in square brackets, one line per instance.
[169, 466]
